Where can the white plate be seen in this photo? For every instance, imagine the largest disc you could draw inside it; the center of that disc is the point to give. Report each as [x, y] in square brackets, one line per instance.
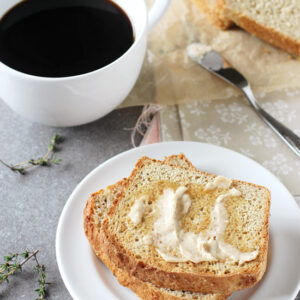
[87, 278]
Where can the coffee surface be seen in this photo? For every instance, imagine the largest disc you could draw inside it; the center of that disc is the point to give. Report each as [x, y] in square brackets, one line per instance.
[60, 38]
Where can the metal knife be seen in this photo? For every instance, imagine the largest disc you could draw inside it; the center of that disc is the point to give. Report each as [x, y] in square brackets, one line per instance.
[213, 62]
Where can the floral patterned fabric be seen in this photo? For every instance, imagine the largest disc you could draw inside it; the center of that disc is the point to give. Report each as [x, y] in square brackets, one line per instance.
[233, 124]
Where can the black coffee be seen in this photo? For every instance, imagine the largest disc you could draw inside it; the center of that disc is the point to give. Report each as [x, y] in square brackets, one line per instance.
[58, 38]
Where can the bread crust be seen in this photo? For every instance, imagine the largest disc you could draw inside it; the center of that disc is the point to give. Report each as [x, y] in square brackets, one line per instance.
[92, 233]
[164, 276]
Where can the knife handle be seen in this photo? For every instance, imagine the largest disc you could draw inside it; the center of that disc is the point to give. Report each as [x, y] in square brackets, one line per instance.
[287, 135]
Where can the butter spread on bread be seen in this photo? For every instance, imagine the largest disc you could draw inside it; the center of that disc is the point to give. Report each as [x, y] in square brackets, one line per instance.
[176, 245]
[137, 210]
[247, 230]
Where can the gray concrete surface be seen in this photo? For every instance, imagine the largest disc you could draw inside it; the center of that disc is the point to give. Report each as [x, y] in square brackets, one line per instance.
[30, 205]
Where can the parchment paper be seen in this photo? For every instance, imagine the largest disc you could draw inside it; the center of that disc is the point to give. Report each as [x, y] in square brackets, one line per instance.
[169, 76]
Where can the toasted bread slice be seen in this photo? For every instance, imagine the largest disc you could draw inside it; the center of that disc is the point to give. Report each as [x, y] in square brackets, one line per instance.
[123, 242]
[95, 212]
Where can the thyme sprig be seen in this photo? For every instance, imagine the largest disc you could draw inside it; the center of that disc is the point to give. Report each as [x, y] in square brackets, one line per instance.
[47, 160]
[12, 264]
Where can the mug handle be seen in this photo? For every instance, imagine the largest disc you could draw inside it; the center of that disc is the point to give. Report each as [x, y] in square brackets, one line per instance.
[156, 12]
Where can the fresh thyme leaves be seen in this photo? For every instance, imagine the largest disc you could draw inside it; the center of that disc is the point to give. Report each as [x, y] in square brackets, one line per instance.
[40, 270]
[47, 160]
[13, 264]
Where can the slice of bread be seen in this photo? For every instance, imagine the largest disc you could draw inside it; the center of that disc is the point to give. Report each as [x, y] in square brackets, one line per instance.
[247, 230]
[94, 214]
[276, 22]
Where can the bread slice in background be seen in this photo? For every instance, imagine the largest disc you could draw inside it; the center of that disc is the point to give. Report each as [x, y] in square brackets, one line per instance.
[94, 214]
[277, 21]
[122, 240]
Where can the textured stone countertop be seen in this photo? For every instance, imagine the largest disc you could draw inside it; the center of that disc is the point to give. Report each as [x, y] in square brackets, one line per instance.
[30, 205]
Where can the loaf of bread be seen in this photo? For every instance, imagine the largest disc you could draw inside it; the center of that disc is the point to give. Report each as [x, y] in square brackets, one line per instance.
[276, 21]
[94, 214]
[225, 221]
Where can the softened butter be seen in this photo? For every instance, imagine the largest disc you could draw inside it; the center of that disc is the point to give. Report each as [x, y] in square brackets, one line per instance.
[137, 210]
[176, 245]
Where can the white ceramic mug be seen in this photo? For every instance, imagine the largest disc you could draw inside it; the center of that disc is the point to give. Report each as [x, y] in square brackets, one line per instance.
[75, 100]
